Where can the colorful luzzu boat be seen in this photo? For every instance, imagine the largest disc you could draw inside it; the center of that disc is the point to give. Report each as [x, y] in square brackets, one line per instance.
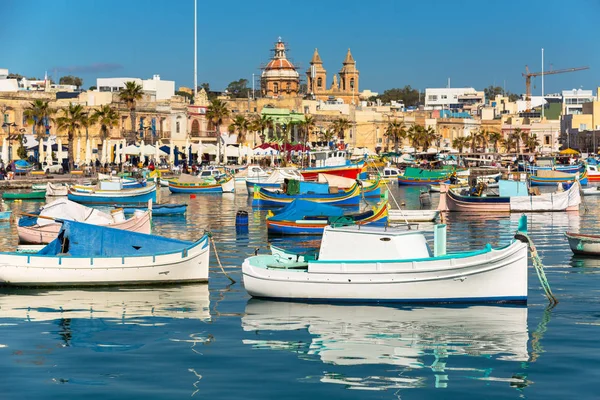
[91, 195]
[302, 217]
[551, 178]
[419, 176]
[266, 198]
[204, 186]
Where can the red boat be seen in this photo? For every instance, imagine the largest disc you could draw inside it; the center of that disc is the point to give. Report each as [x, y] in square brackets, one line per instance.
[593, 174]
[333, 163]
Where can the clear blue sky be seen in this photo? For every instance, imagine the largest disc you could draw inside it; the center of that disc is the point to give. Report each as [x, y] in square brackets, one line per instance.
[395, 43]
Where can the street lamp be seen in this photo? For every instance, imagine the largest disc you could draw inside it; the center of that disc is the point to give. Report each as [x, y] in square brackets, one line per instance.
[7, 127]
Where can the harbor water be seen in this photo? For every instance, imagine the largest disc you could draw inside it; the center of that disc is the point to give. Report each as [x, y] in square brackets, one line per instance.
[213, 341]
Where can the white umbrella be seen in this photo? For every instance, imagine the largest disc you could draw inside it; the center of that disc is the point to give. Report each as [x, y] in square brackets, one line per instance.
[94, 147]
[78, 154]
[59, 153]
[156, 153]
[118, 154]
[104, 151]
[172, 153]
[49, 160]
[4, 151]
[41, 151]
[88, 152]
[142, 156]
[187, 149]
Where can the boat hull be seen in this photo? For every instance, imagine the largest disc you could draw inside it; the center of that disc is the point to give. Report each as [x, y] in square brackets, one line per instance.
[190, 265]
[346, 171]
[585, 245]
[141, 195]
[157, 209]
[35, 195]
[493, 276]
[250, 185]
[547, 181]
[265, 198]
[413, 215]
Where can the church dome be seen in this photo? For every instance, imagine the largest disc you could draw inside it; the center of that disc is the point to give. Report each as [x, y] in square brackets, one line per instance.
[280, 66]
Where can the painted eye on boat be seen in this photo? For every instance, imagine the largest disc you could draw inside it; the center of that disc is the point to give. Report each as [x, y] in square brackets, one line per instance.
[385, 239]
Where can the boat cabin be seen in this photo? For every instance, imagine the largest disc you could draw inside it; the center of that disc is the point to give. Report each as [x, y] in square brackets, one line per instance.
[390, 172]
[209, 173]
[329, 158]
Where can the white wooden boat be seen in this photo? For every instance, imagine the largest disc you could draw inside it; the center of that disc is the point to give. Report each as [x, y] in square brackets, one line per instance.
[586, 245]
[591, 191]
[396, 215]
[45, 229]
[90, 255]
[368, 264]
[56, 190]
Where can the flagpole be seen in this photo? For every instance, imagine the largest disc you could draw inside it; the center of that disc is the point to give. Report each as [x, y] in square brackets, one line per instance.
[195, 48]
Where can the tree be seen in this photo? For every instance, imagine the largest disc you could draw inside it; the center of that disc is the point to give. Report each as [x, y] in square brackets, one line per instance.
[92, 88]
[107, 117]
[407, 94]
[130, 94]
[71, 121]
[515, 137]
[259, 124]
[39, 113]
[415, 135]
[459, 143]
[240, 125]
[428, 137]
[239, 89]
[340, 125]
[532, 143]
[484, 138]
[327, 136]
[494, 139]
[492, 91]
[216, 112]
[307, 126]
[71, 80]
[395, 131]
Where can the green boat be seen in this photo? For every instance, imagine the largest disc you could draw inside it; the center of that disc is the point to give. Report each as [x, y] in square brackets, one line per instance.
[34, 195]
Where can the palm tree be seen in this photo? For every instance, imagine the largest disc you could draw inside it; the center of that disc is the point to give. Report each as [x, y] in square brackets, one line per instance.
[484, 138]
[39, 113]
[339, 126]
[395, 130]
[130, 94]
[71, 120]
[525, 139]
[516, 137]
[260, 123]
[473, 139]
[307, 126]
[459, 143]
[327, 135]
[240, 125]
[428, 137]
[217, 111]
[414, 135]
[494, 138]
[532, 143]
[107, 117]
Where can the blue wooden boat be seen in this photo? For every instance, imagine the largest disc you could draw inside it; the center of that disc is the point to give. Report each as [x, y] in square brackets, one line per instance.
[157, 209]
[266, 198]
[552, 181]
[552, 166]
[5, 215]
[224, 184]
[22, 167]
[85, 195]
[302, 217]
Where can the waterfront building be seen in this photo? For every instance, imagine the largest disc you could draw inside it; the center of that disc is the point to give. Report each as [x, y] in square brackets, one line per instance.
[448, 98]
[159, 89]
[573, 100]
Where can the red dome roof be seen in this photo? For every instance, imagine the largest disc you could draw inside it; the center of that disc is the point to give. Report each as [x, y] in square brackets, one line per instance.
[279, 63]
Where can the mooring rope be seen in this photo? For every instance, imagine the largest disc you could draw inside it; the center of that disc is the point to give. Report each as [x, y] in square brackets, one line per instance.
[539, 267]
[209, 234]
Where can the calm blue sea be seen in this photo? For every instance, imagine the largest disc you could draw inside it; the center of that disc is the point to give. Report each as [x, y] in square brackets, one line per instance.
[214, 342]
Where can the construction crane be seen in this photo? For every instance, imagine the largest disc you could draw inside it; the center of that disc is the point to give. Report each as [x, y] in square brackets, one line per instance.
[528, 75]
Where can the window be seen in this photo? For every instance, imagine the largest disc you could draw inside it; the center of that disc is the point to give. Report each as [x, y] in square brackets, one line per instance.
[546, 139]
[319, 82]
[432, 97]
[582, 127]
[177, 128]
[288, 87]
[276, 87]
[351, 83]
[444, 97]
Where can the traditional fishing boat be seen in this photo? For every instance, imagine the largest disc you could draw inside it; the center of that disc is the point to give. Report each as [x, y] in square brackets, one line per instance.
[593, 173]
[42, 228]
[395, 215]
[513, 196]
[333, 162]
[551, 178]
[127, 183]
[23, 167]
[591, 191]
[56, 190]
[585, 245]
[273, 181]
[189, 184]
[371, 189]
[91, 255]
[251, 172]
[549, 164]
[157, 209]
[357, 263]
[95, 195]
[267, 198]
[33, 195]
[302, 217]
[420, 176]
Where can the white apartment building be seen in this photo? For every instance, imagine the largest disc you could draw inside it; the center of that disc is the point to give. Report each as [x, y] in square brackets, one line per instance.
[573, 100]
[161, 90]
[445, 98]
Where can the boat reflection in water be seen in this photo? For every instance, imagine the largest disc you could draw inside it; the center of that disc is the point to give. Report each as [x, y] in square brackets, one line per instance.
[403, 337]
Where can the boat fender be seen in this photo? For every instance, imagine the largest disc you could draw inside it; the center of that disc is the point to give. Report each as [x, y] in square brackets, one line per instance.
[256, 251]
